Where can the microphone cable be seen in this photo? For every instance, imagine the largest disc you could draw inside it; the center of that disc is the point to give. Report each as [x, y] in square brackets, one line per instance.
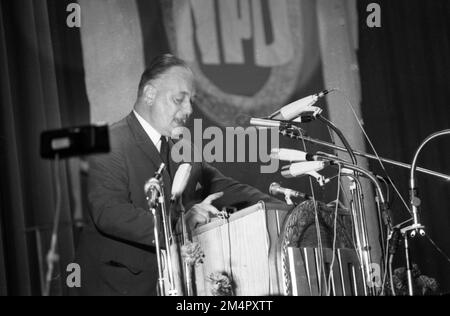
[358, 120]
[346, 198]
[330, 273]
[321, 264]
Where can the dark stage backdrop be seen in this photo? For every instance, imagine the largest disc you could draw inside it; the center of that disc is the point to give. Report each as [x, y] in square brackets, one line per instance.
[42, 88]
[405, 74]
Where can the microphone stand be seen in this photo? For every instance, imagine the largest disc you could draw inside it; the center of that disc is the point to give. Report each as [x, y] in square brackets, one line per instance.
[357, 203]
[416, 226]
[358, 210]
[415, 201]
[161, 286]
[184, 240]
[293, 133]
[154, 190]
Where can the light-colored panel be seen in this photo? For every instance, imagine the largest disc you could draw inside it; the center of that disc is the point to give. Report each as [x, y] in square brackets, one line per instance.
[340, 70]
[113, 56]
[239, 248]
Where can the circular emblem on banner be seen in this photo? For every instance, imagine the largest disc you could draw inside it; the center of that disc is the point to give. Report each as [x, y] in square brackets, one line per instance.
[249, 56]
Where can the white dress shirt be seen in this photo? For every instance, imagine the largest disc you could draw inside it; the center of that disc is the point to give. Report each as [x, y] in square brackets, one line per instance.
[154, 135]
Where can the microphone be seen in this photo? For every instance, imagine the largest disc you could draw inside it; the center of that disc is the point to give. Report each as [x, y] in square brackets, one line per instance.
[306, 168]
[294, 109]
[285, 154]
[301, 168]
[180, 180]
[152, 187]
[308, 116]
[275, 189]
[269, 123]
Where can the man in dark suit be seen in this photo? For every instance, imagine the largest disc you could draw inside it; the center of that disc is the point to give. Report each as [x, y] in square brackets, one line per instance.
[116, 249]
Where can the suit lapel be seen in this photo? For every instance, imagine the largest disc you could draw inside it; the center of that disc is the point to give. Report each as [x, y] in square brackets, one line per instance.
[146, 145]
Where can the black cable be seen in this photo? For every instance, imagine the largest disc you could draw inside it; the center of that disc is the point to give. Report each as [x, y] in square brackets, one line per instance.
[393, 245]
[391, 275]
[360, 124]
[330, 273]
[438, 249]
[385, 267]
[341, 137]
[316, 223]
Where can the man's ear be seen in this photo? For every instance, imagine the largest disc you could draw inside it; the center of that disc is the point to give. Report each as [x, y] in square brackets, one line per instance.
[149, 94]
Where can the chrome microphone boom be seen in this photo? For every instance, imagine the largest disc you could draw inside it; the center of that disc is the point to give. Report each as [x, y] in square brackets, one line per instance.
[373, 157]
[154, 190]
[283, 125]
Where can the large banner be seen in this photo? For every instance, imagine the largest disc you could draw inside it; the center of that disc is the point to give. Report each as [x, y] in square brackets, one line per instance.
[250, 56]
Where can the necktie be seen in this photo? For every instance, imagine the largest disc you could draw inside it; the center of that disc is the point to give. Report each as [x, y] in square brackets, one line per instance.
[165, 153]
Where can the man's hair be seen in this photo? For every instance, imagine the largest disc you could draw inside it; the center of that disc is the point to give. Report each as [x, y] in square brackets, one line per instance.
[157, 67]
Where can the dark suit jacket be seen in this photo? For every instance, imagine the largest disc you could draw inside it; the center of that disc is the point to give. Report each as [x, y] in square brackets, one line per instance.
[116, 248]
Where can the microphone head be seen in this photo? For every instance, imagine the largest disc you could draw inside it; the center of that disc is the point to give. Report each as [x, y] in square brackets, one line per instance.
[273, 188]
[294, 109]
[323, 93]
[151, 183]
[301, 168]
[275, 154]
[267, 123]
[160, 170]
[180, 180]
[284, 154]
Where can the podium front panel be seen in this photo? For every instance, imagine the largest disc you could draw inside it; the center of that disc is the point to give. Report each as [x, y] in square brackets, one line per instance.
[238, 248]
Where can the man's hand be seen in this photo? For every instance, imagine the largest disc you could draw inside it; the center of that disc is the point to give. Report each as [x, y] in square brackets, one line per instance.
[200, 214]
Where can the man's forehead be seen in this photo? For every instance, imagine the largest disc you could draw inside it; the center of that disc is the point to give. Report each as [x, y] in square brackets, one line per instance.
[177, 78]
[177, 73]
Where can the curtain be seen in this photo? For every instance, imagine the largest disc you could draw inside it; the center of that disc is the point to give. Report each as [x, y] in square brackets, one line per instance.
[3, 282]
[41, 89]
[405, 78]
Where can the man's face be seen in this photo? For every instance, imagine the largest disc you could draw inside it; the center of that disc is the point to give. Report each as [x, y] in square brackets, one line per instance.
[172, 107]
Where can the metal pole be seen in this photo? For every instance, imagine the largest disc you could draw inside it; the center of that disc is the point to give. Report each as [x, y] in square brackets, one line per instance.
[373, 157]
[158, 254]
[415, 201]
[408, 267]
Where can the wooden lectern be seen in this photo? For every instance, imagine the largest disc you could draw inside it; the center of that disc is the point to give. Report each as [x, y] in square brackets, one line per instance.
[242, 247]
[261, 250]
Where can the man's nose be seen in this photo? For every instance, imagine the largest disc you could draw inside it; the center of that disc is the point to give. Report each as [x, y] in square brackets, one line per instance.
[187, 108]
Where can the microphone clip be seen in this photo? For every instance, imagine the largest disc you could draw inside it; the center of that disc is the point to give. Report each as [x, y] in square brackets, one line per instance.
[287, 198]
[319, 178]
[292, 130]
[309, 115]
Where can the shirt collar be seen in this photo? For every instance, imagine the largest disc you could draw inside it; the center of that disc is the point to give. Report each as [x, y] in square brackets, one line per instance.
[154, 135]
